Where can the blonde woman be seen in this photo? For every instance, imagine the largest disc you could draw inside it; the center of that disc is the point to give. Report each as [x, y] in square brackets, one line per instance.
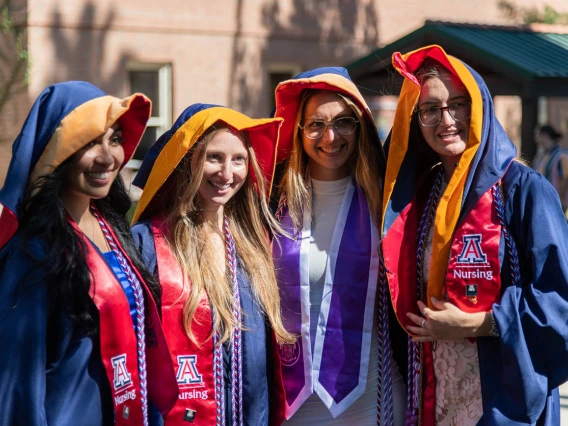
[330, 201]
[201, 228]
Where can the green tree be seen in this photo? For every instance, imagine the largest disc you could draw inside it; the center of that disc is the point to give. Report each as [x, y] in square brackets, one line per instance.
[531, 15]
[14, 58]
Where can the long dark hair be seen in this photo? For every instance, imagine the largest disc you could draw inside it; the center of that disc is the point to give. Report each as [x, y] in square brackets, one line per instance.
[43, 218]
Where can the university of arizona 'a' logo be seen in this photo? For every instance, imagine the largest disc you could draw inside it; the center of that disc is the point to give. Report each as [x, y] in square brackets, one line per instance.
[471, 252]
[122, 377]
[187, 373]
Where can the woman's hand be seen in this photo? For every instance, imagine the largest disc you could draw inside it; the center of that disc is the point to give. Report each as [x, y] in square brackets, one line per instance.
[447, 322]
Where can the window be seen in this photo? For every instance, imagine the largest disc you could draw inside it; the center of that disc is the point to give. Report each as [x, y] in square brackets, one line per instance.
[155, 81]
[278, 74]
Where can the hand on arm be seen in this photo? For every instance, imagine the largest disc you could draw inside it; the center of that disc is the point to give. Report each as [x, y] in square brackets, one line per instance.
[448, 322]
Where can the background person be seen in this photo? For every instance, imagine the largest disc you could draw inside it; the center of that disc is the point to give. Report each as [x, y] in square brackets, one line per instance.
[552, 161]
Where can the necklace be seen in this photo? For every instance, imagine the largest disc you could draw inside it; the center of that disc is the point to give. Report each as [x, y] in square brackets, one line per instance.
[96, 235]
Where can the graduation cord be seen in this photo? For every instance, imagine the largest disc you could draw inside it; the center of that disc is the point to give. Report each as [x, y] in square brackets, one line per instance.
[218, 379]
[236, 349]
[236, 352]
[499, 199]
[416, 350]
[282, 204]
[384, 392]
[140, 319]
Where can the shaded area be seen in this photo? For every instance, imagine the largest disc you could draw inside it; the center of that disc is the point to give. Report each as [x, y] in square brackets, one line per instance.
[307, 34]
[80, 51]
[14, 66]
[14, 59]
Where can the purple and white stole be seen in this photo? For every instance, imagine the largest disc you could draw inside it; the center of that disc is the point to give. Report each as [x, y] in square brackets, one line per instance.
[337, 369]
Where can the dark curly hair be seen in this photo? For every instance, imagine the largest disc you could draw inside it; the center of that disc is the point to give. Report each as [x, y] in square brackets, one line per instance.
[64, 263]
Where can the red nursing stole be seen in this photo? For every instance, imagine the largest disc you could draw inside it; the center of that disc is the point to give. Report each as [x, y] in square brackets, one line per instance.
[119, 344]
[193, 364]
[473, 277]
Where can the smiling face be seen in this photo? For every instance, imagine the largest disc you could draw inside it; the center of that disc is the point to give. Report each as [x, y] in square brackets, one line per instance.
[328, 155]
[448, 138]
[225, 170]
[94, 168]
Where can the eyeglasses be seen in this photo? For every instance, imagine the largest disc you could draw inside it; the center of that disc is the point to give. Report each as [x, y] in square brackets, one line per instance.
[316, 129]
[430, 117]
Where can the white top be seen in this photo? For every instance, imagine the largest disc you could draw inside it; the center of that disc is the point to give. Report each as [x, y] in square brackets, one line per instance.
[326, 202]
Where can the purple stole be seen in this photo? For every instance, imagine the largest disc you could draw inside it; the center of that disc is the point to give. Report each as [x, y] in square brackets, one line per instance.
[337, 368]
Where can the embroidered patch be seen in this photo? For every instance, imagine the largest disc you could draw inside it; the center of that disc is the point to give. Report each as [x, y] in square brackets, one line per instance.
[122, 377]
[189, 415]
[472, 252]
[187, 373]
[289, 353]
[471, 290]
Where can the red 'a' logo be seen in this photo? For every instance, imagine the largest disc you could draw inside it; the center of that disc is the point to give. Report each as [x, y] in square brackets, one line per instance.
[471, 252]
[187, 373]
[122, 377]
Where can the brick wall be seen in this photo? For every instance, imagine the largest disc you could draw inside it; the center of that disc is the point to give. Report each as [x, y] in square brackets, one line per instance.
[220, 50]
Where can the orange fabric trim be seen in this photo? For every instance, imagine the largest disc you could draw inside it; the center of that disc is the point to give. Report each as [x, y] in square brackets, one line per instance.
[449, 207]
[86, 123]
[185, 137]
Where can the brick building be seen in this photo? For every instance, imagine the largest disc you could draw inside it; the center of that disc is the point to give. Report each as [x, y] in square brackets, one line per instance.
[229, 52]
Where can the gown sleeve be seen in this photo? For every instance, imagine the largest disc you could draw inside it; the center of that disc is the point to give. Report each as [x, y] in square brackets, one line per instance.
[533, 313]
[23, 330]
[144, 241]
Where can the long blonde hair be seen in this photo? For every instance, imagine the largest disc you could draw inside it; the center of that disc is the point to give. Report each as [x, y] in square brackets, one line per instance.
[249, 218]
[365, 164]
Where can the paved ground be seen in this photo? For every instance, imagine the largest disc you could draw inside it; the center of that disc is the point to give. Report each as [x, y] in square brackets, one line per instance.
[564, 404]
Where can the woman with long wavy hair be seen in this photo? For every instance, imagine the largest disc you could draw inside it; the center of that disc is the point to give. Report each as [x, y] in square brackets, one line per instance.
[202, 227]
[79, 325]
[340, 371]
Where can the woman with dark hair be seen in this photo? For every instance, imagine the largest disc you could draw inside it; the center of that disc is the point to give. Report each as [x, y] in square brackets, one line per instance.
[82, 342]
[341, 370]
[201, 225]
[476, 256]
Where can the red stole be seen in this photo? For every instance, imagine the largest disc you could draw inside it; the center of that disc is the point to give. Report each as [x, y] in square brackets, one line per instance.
[473, 278]
[193, 363]
[119, 345]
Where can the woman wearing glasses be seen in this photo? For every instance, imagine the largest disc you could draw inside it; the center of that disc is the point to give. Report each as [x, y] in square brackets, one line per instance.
[474, 246]
[327, 271]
